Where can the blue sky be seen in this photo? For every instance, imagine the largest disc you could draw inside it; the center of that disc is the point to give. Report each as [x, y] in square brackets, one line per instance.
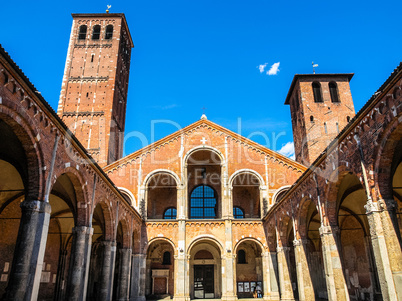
[194, 54]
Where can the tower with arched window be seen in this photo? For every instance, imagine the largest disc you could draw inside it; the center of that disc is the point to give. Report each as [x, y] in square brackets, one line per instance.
[321, 106]
[94, 90]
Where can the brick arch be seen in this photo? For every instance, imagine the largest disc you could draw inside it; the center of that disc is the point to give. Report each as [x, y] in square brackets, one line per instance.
[278, 191]
[161, 171]
[159, 239]
[301, 215]
[283, 225]
[207, 239]
[204, 148]
[107, 217]
[247, 171]
[331, 194]
[81, 193]
[126, 232]
[383, 163]
[26, 134]
[252, 239]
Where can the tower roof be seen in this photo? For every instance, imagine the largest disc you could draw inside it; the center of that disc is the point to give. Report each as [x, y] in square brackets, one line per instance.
[314, 76]
[108, 15]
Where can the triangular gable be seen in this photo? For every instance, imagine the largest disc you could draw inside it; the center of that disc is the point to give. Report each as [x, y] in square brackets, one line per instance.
[203, 122]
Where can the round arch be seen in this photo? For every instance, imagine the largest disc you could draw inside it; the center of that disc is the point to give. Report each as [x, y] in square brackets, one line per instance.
[204, 148]
[247, 171]
[157, 239]
[251, 239]
[206, 238]
[161, 171]
[129, 195]
[279, 191]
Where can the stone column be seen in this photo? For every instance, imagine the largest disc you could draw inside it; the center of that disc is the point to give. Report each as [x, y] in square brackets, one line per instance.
[76, 283]
[386, 247]
[270, 283]
[106, 281]
[336, 285]
[29, 251]
[304, 283]
[124, 275]
[285, 282]
[138, 277]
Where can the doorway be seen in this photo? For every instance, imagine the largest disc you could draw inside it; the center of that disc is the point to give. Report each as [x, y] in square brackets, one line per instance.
[204, 282]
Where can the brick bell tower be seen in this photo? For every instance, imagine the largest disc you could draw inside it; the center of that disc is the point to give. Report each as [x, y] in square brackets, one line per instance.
[321, 106]
[93, 94]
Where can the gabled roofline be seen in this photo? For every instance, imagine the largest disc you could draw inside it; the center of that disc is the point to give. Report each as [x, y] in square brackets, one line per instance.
[297, 76]
[105, 15]
[194, 125]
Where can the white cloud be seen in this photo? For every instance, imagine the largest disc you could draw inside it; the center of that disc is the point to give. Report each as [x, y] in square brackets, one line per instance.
[288, 150]
[274, 69]
[166, 107]
[262, 67]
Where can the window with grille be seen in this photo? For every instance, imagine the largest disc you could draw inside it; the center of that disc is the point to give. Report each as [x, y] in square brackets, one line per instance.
[170, 213]
[203, 202]
[238, 212]
[241, 256]
[82, 32]
[166, 258]
[96, 32]
[109, 32]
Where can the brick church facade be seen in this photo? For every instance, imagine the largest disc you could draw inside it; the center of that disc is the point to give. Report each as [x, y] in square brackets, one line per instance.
[203, 213]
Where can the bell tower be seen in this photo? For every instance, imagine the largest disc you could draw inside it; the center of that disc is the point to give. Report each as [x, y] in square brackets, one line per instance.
[93, 94]
[321, 106]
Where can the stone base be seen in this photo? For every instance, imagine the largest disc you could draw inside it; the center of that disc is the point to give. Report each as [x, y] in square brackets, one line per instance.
[181, 298]
[229, 297]
[140, 298]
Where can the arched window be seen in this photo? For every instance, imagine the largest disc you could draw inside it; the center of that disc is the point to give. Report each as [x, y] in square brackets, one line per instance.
[109, 32]
[241, 256]
[203, 202]
[96, 32]
[325, 128]
[170, 213]
[238, 212]
[317, 92]
[333, 90]
[312, 118]
[166, 258]
[347, 118]
[82, 34]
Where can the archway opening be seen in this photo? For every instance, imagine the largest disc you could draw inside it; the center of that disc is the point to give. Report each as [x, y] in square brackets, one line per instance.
[249, 271]
[161, 195]
[205, 271]
[356, 250]
[204, 185]
[160, 270]
[246, 195]
[397, 187]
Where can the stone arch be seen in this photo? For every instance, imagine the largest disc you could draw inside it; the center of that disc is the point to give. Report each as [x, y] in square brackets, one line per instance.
[161, 171]
[108, 218]
[204, 147]
[156, 239]
[205, 262]
[129, 196]
[246, 170]
[280, 192]
[204, 237]
[258, 242]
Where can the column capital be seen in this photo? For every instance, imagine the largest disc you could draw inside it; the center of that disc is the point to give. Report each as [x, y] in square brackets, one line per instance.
[325, 230]
[282, 249]
[36, 206]
[299, 242]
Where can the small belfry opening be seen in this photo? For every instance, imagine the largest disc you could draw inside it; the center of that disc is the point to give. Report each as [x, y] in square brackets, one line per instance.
[161, 197]
[246, 196]
[159, 270]
[249, 271]
[204, 185]
[356, 249]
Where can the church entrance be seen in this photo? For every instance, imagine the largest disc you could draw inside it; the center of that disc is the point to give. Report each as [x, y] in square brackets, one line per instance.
[203, 281]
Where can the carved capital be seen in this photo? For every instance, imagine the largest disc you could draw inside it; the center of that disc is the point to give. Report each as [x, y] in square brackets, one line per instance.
[35, 206]
[326, 230]
[282, 249]
[299, 242]
[372, 207]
